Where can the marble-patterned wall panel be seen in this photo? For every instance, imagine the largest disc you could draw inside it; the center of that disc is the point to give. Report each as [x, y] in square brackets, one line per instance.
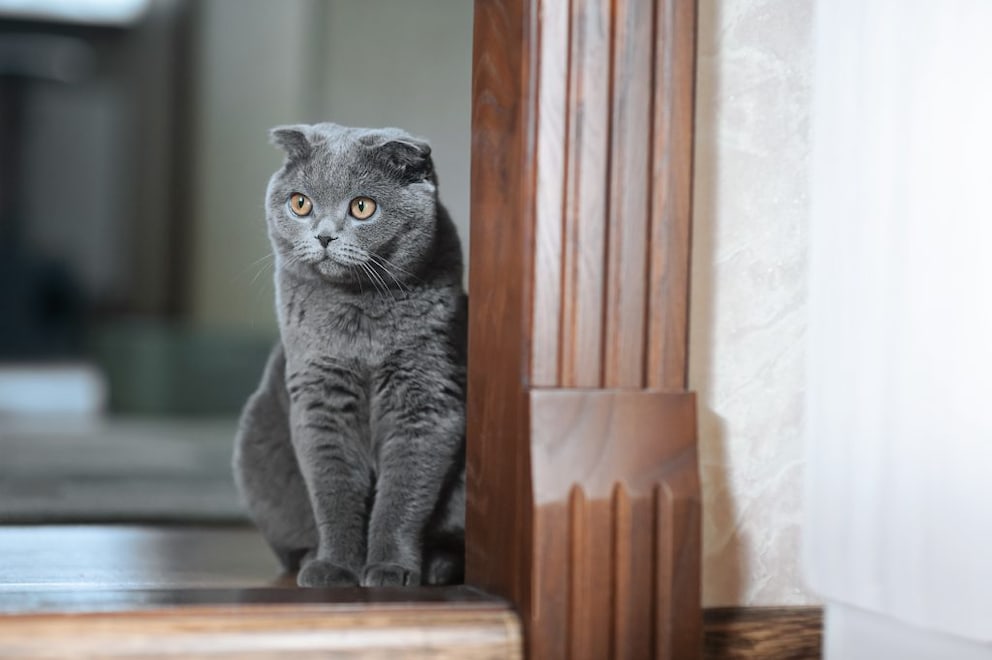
[748, 293]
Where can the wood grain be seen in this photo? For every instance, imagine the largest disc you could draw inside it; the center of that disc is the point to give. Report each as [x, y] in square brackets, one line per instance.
[601, 460]
[586, 193]
[583, 494]
[611, 176]
[671, 194]
[629, 185]
[269, 631]
[550, 193]
[499, 545]
[130, 591]
[768, 633]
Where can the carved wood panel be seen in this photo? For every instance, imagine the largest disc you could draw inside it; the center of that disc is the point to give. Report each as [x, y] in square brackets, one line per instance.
[582, 474]
[612, 113]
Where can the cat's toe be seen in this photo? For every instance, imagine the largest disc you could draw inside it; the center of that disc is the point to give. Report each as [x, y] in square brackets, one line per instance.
[389, 575]
[322, 573]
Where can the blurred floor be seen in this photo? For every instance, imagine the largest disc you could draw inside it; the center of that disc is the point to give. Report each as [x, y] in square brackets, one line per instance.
[53, 558]
[118, 470]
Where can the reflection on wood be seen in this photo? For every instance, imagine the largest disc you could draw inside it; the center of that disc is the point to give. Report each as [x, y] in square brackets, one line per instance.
[611, 208]
[113, 590]
[671, 194]
[270, 631]
[615, 475]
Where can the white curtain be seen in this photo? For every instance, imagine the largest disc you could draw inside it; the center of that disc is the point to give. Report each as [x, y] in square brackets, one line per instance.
[899, 395]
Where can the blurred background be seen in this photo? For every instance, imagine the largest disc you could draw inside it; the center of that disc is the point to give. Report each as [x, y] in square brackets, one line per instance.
[136, 305]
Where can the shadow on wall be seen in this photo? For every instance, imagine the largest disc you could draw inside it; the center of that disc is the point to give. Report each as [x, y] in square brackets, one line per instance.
[724, 557]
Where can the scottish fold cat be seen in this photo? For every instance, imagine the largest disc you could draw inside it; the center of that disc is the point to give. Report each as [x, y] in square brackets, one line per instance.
[350, 454]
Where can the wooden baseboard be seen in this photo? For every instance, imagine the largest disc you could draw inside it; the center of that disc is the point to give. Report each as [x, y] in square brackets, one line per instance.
[769, 633]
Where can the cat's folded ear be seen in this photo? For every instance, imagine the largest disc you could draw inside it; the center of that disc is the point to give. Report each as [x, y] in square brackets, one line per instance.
[294, 140]
[408, 157]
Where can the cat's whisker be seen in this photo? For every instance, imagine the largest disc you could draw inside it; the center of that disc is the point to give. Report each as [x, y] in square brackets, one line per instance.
[382, 283]
[267, 255]
[388, 272]
[258, 274]
[372, 279]
[358, 277]
[394, 266]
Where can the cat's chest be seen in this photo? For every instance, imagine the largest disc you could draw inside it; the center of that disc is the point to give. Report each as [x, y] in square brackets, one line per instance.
[360, 330]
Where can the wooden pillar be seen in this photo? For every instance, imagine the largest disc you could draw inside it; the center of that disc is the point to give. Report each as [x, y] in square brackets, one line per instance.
[584, 505]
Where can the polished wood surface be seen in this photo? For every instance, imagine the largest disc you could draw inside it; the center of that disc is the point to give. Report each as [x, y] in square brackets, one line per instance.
[130, 591]
[582, 473]
[765, 633]
[117, 599]
[606, 170]
[615, 479]
[498, 526]
[61, 557]
[671, 194]
[268, 631]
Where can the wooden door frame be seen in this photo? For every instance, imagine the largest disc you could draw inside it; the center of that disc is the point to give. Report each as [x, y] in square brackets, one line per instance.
[583, 489]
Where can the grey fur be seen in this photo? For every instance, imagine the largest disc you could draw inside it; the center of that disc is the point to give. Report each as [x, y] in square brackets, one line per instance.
[350, 455]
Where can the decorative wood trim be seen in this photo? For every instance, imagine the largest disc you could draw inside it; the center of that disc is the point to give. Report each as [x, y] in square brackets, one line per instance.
[499, 537]
[616, 497]
[768, 633]
[583, 493]
[671, 194]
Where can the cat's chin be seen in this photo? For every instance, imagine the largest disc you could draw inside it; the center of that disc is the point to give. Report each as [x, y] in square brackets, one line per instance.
[332, 271]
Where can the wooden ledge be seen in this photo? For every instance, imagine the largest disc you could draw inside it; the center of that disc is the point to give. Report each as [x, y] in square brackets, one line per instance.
[168, 592]
[259, 623]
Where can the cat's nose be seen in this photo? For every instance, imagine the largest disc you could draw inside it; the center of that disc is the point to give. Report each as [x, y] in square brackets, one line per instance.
[325, 239]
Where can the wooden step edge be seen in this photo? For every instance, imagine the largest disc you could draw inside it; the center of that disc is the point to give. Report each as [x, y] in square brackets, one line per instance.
[473, 629]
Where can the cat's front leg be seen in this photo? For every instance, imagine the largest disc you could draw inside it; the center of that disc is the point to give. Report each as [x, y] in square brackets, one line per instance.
[328, 413]
[418, 414]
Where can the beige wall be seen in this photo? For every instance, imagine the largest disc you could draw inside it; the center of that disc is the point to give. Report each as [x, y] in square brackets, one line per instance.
[748, 293]
[262, 63]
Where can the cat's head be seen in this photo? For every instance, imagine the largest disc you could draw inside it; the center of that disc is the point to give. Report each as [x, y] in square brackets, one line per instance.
[350, 199]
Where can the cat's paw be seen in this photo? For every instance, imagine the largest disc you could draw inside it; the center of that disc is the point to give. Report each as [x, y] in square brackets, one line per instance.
[386, 574]
[322, 573]
[445, 569]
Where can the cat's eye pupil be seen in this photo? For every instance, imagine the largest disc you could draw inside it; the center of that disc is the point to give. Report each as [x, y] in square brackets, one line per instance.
[361, 206]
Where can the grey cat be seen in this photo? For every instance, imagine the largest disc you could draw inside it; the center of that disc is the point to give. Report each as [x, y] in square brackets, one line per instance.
[350, 455]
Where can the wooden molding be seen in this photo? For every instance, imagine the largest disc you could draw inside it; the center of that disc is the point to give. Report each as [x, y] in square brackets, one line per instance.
[583, 493]
[768, 633]
[616, 494]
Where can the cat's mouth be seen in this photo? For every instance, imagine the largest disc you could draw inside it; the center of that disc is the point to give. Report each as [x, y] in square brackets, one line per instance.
[334, 267]
[328, 266]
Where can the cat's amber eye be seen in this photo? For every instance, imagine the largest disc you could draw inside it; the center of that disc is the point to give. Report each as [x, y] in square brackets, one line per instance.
[300, 204]
[362, 208]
